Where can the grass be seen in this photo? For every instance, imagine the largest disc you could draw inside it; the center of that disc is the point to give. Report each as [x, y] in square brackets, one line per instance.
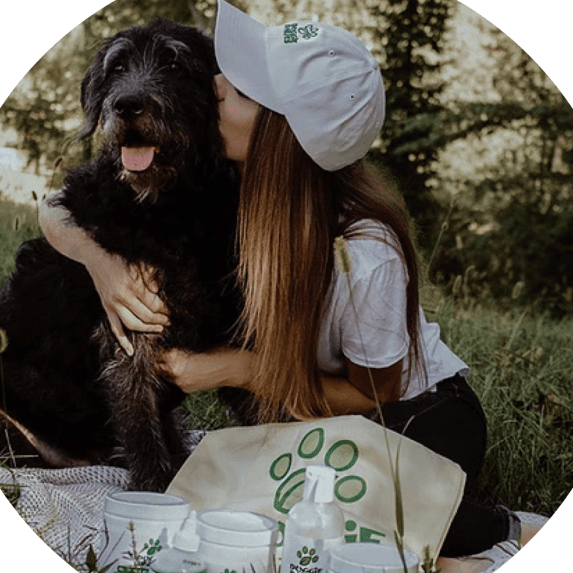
[521, 373]
[206, 411]
[17, 223]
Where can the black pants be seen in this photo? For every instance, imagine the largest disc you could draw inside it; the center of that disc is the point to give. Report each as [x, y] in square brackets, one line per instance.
[451, 422]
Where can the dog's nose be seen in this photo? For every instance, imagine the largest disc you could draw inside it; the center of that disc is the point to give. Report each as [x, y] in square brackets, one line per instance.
[129, 105]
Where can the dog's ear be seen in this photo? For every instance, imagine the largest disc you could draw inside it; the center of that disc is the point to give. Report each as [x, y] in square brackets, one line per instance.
[92, 93]
[91, 108]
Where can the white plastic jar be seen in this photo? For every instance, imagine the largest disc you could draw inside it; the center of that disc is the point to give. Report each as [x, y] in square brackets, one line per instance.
[370, 558]
[138, 526]
[237, 541]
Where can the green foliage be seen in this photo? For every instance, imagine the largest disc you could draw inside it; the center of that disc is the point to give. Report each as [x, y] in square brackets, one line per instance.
[17, 224]
[512, 222]
[206, 411]
[521, 372]
[528, 247]
[411, 34]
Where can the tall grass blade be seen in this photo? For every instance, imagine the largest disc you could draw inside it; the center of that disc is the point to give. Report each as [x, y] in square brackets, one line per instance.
[344, 261]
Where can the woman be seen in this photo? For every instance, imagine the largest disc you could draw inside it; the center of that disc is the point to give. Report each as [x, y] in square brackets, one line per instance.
[299, 107]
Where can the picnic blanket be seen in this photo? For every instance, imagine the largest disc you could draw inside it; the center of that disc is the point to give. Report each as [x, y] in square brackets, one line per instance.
[65, 508]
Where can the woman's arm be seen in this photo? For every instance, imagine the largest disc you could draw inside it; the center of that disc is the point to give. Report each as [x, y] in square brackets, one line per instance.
[209, 370]
[128, 295]
[351, 394]
[62, 234]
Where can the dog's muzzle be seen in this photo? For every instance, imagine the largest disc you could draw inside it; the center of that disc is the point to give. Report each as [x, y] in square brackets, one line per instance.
[134, 157]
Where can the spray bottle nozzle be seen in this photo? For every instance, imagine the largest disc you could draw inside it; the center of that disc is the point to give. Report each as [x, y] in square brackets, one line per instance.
[319, 484]
[186, 538]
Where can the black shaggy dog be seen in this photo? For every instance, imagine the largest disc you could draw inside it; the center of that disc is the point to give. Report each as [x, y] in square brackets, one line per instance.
[160, 194]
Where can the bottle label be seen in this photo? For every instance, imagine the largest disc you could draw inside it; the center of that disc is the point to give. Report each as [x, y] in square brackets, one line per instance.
[307, 555]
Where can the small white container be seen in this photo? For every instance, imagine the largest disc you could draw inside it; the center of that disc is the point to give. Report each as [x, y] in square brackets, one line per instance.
[139, 525]
[236, 541]
[370, 558]
[182, 556]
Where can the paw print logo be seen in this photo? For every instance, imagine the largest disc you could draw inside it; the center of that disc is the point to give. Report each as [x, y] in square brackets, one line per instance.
[152, 547]
[307, 556]
[341, 456]
[309, 31]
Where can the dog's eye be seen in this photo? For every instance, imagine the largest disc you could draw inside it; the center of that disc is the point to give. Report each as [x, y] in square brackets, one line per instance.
[118, 68]
[172, 67]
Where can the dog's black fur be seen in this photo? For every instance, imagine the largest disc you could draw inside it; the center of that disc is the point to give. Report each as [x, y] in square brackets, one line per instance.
[67, 380]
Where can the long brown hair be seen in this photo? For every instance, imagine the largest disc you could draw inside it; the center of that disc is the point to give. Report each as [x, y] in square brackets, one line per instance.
[289, 214]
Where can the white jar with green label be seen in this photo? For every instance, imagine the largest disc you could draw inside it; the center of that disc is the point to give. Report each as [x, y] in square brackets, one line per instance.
[314, 525]
[138, 527]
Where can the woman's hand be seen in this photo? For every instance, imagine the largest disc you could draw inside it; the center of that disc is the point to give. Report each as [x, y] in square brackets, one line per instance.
[128, 295]
[208, 370]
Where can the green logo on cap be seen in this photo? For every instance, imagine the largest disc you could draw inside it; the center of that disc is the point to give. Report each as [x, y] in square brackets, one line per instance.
[292, 32]
[308, 32]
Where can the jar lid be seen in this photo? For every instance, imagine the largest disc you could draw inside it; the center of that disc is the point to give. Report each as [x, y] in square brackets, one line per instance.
[370, 558]
[146, 505]
[236, 528]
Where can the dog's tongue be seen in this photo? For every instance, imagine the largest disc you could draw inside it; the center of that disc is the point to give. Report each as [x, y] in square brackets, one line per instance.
[137, 158]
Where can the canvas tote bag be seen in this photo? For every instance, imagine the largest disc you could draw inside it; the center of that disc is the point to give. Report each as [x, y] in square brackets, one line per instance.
[261, 469]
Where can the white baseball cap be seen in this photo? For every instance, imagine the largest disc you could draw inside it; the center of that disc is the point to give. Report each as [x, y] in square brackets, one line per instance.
[320, 77]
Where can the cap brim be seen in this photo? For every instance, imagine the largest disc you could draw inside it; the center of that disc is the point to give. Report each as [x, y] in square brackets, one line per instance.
[240, 49]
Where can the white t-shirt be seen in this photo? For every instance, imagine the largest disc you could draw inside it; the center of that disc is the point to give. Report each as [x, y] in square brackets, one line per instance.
[370, 328]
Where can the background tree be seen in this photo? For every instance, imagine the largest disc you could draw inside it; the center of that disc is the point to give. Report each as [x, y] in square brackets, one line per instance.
[513, 216]
[410, 37]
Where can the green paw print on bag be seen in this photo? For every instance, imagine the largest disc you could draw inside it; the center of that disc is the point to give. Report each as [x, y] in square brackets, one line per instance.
[341, 456]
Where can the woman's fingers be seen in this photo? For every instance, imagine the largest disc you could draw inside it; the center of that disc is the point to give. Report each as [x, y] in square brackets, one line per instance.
[125, 309]
[130, 298]
[146, 291]
[139, 315]
[119, 333]
[124, 318]
[147, 275]
[129, 295]
[150, 308]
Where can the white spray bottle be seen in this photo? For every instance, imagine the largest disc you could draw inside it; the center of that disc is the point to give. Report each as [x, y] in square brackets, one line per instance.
[314, 525]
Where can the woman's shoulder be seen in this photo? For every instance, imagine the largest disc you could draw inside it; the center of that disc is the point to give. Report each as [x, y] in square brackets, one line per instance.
[370, 230]
[370, 244]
